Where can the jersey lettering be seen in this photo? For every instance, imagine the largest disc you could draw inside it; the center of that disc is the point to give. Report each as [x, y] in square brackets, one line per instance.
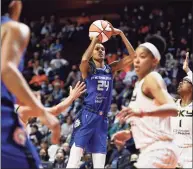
[185, 113]
[181, 113]
[180, 123]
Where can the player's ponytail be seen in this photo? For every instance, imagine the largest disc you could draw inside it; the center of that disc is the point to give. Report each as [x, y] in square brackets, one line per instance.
[158, 41]
[92, 66]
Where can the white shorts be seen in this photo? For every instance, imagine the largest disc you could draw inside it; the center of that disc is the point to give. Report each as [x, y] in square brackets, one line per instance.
[160, 154]
[185, 157]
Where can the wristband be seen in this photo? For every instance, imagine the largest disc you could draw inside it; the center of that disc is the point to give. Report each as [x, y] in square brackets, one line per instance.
[17, 109]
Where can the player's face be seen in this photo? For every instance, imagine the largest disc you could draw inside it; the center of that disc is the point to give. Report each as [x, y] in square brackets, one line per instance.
[184, 87]
[98, 52]
[144, 62]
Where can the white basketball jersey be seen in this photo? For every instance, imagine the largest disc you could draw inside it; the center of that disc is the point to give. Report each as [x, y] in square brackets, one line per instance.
[182, 125]
[147, 130]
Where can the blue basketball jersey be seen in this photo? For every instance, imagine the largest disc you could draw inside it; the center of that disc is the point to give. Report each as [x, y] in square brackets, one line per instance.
[99, 84]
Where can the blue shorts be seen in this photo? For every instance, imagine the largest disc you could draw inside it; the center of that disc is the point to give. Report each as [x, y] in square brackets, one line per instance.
[90, 132]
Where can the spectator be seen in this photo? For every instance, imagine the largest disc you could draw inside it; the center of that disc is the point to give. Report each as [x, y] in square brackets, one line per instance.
[58, 62]
[36, 67]
[66, 148]
[47, 68]
[59, 161]
[39, 78]
[67, 127]
[73, 77]
[56, 47]
[44, 145]
[35, 134]
[119, 151]
[58, 81]
[57, 93]
[121, 125]
[127, 80]
[113, 112]
[45, 29]
[44, 155]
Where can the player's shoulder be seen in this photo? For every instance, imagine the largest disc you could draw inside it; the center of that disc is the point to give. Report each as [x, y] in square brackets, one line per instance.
[154, 78]
[17, 28]
[153, 75]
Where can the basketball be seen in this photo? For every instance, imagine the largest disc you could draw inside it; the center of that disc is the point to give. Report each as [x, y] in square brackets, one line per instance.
[101, 29]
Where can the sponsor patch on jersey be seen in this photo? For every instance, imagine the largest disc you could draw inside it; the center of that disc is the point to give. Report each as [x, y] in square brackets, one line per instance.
[19, 136]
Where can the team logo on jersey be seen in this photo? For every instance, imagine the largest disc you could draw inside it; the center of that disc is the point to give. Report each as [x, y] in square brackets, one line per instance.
[19, 136]
[107, 71]
[77, 123]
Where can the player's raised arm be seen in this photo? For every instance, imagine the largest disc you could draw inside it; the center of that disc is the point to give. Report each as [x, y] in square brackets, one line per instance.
[126, 61]
[84, 65]
[74, 94]
[185, 65]
[25, 112]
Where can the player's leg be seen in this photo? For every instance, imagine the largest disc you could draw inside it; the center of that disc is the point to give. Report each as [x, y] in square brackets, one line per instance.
[98, 144]
[75, 157]
[98, 160]
[82, 133]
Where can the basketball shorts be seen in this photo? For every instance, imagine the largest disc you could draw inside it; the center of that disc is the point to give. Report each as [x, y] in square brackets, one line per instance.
[90, 132]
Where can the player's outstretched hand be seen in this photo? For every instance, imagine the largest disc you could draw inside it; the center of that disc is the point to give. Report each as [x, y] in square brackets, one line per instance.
[123, 113]
[78, 90]
[127, 112]
[53, 124]
[94, 38]
[115, 31]
[185, 64]
[121, 137]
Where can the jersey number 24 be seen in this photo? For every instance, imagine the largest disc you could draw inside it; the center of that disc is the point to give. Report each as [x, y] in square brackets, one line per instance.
[102, 85]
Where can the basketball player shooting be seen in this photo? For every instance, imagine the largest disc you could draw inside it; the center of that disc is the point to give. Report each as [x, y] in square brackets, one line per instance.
[182, 125]
[17, 150]
[150, 110]
[90, 126]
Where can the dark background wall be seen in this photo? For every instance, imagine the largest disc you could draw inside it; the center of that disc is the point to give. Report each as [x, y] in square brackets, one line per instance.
[36, 8]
